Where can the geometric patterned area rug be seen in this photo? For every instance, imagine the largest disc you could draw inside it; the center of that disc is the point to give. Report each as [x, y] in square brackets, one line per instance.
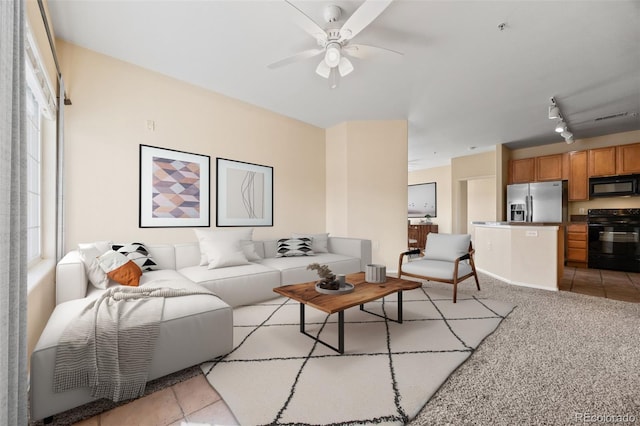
[277, 376]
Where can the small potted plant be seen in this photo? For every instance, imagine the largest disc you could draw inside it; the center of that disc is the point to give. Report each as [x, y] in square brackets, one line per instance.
[328, 279]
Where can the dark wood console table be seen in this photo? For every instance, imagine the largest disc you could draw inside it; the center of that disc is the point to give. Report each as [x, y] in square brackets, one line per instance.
[419, 233]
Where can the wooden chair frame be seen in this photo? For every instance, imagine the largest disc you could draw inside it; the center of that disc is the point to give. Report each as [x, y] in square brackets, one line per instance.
[454, 280]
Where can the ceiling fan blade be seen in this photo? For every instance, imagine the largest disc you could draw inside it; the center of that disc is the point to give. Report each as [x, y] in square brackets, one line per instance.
[362, 17]
[362, 51]
[306, 54]
[308, 25]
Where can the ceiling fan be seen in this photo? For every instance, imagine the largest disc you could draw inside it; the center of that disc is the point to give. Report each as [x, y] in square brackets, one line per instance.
[334, 41]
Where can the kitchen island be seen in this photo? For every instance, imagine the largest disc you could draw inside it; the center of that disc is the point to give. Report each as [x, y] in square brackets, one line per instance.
[526, 254]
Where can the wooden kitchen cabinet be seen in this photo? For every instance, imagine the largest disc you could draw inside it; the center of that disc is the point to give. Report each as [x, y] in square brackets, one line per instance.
[602, 161]
[419, 233]
[522, 171]
[578, 179]
[577, 245]
[549, 168]
[628, 159]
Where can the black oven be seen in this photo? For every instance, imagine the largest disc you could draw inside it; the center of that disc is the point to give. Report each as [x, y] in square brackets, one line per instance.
[614, 239]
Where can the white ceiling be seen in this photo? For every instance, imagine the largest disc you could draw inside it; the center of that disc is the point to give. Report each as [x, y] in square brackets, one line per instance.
[461, 83]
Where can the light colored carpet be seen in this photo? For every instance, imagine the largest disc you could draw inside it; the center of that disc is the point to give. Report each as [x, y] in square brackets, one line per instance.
[556, 357]
[276, 375]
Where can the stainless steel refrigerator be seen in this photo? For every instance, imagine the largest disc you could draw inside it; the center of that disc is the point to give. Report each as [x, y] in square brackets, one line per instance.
[537, 202]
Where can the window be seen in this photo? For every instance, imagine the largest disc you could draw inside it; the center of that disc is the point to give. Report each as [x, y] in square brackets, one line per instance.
[34, 202]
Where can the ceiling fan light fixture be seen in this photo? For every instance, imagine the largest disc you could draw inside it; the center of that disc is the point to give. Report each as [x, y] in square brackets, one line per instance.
[323, 70]
[345, 67]
[332, 55]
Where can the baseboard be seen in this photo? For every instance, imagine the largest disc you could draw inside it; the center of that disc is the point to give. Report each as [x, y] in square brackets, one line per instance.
[520, 284]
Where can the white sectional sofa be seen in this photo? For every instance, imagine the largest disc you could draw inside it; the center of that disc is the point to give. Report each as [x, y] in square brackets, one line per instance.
[194, 328]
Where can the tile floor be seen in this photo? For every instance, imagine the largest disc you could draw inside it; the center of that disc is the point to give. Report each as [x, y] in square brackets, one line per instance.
[602, 283]
[194, 402]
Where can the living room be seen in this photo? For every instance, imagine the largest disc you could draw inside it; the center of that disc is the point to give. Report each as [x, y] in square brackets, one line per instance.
[348, 179]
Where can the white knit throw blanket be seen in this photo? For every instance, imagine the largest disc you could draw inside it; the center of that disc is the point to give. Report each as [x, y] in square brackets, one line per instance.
[109, 346]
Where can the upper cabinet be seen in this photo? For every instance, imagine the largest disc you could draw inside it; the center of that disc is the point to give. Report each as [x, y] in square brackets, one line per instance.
[628, 159]
[578, 185]
[602, 161]
[549, 167]
[523, 171]
[614, 160]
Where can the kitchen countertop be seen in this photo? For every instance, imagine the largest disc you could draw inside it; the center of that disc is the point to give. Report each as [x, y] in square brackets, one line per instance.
[494, 223]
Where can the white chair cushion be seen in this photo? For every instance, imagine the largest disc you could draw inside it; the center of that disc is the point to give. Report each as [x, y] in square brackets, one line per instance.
[436, 268]
[446, 247]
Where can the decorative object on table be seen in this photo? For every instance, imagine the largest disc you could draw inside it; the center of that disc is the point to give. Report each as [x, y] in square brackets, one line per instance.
[375, 273]
[328, 283]
[244, 194]
[174, 188]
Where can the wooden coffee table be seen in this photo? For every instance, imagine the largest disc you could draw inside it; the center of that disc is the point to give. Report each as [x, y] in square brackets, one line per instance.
[362, 293]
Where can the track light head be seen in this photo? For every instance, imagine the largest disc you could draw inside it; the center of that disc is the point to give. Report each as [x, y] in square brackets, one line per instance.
[561, 127]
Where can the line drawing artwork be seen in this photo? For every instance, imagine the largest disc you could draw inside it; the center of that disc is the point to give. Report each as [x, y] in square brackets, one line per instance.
[246, 195]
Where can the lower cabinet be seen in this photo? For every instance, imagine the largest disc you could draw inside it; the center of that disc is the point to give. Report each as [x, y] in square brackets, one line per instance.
[577, 245]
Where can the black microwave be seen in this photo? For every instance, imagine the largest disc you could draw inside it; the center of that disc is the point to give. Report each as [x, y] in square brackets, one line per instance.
[614, 186]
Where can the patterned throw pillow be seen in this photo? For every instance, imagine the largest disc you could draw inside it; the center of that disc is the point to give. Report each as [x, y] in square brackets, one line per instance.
[138, 253]
[290, 247]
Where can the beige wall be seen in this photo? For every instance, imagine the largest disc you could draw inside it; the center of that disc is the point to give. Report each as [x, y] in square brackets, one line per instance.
[367, 185]
[464, 169]
[481, 202]
[442, 177]
[112, 102]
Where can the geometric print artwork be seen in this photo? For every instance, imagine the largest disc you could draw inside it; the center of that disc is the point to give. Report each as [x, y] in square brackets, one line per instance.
[175, 189]
[275, 375]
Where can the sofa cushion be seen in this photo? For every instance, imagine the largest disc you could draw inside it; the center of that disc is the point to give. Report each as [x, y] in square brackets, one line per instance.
[293, 247]
[294, 270]
[239, 285]
[446, 247]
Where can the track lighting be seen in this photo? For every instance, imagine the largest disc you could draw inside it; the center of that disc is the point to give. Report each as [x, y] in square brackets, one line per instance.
[561, 125]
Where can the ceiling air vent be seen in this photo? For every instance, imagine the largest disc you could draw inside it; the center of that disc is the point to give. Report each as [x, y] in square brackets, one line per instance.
[609, 117]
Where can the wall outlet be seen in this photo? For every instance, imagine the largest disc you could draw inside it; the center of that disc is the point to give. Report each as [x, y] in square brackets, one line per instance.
[581, 210]
[531, 233]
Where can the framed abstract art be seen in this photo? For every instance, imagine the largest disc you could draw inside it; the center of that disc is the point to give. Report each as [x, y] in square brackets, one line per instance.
[174, 188]
[244, 194]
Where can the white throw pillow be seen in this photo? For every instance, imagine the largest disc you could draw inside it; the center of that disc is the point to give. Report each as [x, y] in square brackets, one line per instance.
[220, 235]
[249, 249]
[97, 276]
[101, 246]
[224, 253]
[319, 242]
